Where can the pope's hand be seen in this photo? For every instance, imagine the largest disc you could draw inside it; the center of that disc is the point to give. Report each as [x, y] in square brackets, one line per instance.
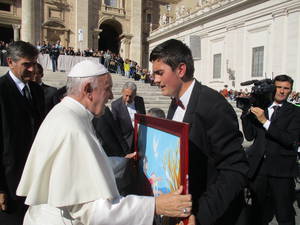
[174, 204]
[3, 202]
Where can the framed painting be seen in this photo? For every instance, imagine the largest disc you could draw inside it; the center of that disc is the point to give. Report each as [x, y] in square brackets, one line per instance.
[162, 154]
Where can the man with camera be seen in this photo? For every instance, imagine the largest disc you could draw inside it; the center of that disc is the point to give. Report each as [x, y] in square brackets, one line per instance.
[272, 157]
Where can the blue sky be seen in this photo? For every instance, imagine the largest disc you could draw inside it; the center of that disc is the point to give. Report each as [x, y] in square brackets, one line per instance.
[157, 143]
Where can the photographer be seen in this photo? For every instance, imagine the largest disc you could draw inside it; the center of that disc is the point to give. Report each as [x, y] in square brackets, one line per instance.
[272, 157]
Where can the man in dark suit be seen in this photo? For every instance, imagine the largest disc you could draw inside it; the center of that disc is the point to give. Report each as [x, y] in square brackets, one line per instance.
[60, 94]
[109, 134]
[124, 108]
[217, 162]
[21, 113]
[272, 157]
[114, 145]
[49, 92]
[54, 54]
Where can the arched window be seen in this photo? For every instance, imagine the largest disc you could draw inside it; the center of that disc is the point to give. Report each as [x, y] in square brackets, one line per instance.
[112, 3]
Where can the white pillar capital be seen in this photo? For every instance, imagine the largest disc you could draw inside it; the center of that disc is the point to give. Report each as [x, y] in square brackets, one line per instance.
[16, 28]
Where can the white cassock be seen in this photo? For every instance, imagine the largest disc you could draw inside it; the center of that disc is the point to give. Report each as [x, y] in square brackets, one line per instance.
[68, 178]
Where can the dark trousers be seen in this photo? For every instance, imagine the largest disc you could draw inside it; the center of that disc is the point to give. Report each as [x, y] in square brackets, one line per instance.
[272, 195]
[54, 64]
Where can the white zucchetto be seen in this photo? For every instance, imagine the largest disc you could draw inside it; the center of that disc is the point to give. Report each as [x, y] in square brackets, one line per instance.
[87, 68]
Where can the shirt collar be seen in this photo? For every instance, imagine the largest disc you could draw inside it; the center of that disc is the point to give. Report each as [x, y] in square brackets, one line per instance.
[275, 104]
[20, 84]
[131, 105]
[187, 94]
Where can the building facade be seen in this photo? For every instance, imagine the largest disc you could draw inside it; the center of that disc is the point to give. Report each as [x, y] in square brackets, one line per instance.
[233, 41]
[117, 25]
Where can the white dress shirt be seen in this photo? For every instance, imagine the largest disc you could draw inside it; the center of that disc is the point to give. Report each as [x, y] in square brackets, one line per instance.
[267, 124]
[20, 84]
[131, 110]
[185, 98]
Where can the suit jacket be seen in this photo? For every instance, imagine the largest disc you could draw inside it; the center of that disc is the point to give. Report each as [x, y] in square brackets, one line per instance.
[274, 150]
[115, 146]
[60, 94]
[109, 133]
[121, 115]
[19, 122]
[49, 93]
[217, 162]
[54, 53]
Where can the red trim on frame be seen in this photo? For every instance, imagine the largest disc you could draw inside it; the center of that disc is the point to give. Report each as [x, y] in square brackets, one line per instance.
[173, 127]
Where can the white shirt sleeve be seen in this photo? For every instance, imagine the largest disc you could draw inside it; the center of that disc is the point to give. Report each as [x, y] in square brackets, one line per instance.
[267, 124]
[132, 209]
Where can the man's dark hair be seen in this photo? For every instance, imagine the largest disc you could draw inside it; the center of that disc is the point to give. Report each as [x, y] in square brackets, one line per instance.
[173, 53]
[283, 78]
[21, 49]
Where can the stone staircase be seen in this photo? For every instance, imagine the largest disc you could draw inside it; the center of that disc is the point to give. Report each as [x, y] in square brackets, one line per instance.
[151, 94]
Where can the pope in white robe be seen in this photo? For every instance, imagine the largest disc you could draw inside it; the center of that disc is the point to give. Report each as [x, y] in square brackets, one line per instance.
[68, 178]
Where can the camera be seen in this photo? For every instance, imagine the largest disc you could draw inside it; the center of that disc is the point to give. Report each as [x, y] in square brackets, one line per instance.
[261, 94]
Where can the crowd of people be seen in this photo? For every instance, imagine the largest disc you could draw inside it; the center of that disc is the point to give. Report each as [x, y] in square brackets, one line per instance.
[112, 61]
[59, 169]
[128, 68]
[3, 53]
[46, 48]
[233, 94]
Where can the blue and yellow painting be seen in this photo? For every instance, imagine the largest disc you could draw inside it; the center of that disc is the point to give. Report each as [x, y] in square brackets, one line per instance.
[159, 159]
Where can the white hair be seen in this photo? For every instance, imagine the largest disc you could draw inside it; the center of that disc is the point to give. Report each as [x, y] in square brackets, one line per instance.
[75, 84]
[130, 85]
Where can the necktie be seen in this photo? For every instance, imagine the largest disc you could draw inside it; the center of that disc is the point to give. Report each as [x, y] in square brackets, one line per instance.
[179, 103]
[27, 93]
[173, 106]
[276, 109]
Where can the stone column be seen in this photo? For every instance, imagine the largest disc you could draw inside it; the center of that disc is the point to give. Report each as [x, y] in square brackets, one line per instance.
[121, 4]
[125, 47]
[136, 29]
[82, 24]
[16, 28]
[66, 37]
[28, 21]
[96, 37]
[44, 33]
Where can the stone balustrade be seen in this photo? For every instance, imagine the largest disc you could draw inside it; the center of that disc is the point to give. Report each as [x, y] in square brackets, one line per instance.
[113, 10]
[182, 14]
